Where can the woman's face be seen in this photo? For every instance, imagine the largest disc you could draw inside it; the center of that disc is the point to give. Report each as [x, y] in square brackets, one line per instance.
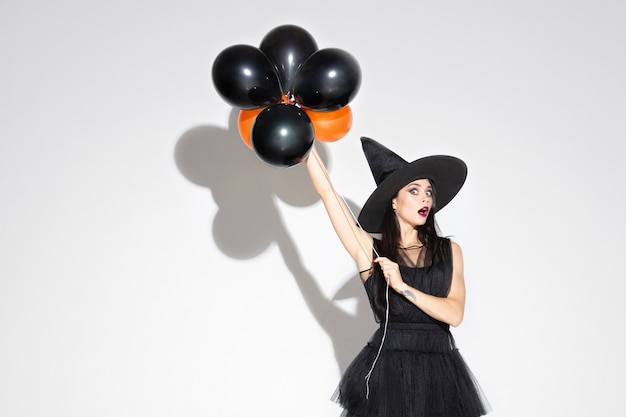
[414, 202]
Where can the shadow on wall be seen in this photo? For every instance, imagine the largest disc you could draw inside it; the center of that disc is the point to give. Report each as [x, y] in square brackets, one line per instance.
[248, 222]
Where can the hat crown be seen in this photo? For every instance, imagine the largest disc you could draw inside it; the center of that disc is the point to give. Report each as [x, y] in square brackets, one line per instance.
[382, 161]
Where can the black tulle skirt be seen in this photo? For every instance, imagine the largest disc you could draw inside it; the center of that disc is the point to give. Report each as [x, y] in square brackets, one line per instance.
[419, 372]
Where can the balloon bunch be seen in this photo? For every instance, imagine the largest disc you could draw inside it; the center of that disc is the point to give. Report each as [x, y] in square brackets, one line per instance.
[289, 93]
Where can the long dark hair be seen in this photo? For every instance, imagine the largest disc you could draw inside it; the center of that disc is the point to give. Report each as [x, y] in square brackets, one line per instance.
[428, 235]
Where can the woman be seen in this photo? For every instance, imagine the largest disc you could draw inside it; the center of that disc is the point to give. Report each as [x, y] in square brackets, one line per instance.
[414, 281]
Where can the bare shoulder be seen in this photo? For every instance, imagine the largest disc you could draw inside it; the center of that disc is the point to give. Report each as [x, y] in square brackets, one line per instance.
[457, 256]
[457, 253]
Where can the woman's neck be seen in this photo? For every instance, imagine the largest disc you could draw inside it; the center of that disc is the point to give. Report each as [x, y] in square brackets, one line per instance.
[409, 238]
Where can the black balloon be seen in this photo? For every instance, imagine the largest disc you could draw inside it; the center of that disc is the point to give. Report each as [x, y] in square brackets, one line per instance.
[287, 47]
[282, 135]
[245, 78]
[327, 80]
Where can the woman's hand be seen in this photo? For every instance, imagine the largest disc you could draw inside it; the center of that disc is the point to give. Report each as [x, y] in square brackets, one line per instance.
[391, 272]
[448, 309]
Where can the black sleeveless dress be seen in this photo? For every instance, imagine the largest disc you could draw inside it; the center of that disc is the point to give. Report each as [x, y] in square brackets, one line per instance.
[419, 371]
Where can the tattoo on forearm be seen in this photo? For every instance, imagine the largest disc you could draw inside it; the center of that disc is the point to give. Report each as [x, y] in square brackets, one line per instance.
[409, 294]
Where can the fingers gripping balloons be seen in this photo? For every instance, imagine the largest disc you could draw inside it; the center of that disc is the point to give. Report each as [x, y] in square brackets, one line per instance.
[289, 93]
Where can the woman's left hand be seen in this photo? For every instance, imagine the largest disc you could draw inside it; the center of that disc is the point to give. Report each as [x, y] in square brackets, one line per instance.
[391, 272]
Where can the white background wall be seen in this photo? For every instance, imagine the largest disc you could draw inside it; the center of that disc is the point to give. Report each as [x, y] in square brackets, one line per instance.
[151, 265]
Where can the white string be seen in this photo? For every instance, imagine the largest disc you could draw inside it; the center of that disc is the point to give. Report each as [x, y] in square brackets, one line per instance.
[380, 348]
[382, 341]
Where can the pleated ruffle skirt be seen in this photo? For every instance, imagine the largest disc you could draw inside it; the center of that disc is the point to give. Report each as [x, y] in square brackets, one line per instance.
[419, 372]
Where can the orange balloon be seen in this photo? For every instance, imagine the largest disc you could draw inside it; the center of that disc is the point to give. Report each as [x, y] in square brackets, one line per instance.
[246, 120]
[330, 126]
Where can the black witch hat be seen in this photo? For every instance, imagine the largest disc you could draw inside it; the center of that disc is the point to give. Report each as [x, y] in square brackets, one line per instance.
[391, 173]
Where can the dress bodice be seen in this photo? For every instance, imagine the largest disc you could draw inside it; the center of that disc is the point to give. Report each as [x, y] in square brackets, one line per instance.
[434, 280]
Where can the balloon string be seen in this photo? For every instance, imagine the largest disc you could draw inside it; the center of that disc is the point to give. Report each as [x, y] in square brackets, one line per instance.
[380, 348]
[382, 341]
[337, 196]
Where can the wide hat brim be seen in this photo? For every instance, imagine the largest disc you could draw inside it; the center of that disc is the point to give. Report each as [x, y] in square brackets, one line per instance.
[446, 173]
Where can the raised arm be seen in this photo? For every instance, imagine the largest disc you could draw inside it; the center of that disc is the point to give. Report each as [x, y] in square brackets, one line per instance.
[357, 242]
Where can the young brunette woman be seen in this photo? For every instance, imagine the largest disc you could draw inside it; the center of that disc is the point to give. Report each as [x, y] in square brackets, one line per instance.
[414, 280]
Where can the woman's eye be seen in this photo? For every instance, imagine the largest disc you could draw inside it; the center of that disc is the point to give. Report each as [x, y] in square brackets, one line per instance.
[429, 193]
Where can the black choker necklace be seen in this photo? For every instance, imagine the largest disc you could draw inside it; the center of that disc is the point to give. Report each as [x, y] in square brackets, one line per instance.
[411, 247]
